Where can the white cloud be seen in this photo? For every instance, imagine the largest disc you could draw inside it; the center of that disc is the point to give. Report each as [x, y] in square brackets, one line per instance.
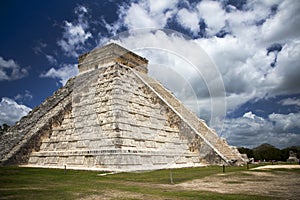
[161, 6]
[144, 14]
[75, 34]
[63, 74]
[244, 68]
[80, 10]
[251, 130]
[138, 17]
[243, 61]
[249, 115]
[285, 122]
[241, 55]
[38, 48]
[290, 102]
[213, 15]
[11, 111]
[25, 96]
[10, 70]
[188, 20]
[287, 72]
[285, 25]
[51, 59]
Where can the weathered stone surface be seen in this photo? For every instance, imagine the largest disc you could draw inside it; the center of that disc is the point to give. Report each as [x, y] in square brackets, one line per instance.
[114, 117]
[25, 136]
[292, 157]
[107, 55]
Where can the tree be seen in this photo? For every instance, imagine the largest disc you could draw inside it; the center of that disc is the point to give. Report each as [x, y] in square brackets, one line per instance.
[247, 151]
[285, 153]
[267, 152]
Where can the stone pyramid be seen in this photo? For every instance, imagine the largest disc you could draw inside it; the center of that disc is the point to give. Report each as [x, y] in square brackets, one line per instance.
[113, 116]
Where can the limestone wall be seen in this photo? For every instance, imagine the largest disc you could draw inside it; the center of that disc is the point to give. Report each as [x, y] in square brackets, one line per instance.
[118, 123]
[227, 153]
[22, 138]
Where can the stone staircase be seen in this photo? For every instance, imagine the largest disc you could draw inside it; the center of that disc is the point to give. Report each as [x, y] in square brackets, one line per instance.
[25, 136]
[112, 117]
[227, 153]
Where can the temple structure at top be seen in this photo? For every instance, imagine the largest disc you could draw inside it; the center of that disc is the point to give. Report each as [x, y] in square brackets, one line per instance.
[110, 54]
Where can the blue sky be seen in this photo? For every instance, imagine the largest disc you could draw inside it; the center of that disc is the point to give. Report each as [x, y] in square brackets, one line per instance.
[250, 93]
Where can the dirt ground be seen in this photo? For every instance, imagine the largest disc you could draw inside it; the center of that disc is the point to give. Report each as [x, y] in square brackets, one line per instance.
[282, 184]
[277, 167]
[117, 194]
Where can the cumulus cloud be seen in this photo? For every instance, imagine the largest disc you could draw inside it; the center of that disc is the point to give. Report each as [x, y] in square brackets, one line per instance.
[75, 33]
[189, 20]
[64, 73]
[241, 55]
[137, 16]
[249, 115]
[285, 122]
[243, 60]
[11, 111]
[244, 68]
[10, 70]
[287, 73]
[285, 25]
[213, 15]
[251, 130]
[290, 102]
[144, 14]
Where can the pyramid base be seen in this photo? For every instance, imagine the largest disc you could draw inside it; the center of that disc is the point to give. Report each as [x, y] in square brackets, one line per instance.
[116, 160]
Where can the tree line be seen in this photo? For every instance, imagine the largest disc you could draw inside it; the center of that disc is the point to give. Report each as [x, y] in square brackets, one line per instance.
[268, 152]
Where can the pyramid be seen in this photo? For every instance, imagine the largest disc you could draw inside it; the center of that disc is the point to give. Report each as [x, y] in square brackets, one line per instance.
[112, 116]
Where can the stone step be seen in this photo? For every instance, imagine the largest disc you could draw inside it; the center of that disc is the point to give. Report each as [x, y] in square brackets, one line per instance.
[199, 125]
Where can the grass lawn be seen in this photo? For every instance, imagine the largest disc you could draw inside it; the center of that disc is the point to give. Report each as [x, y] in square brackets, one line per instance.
[34, 183]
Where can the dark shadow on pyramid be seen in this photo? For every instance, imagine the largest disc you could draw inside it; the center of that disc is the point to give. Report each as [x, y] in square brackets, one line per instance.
[114, 117]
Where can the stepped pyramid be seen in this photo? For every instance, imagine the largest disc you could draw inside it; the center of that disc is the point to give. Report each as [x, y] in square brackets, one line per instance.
[113, 116]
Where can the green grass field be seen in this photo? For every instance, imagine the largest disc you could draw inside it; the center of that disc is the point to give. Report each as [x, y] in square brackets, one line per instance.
[33, 183]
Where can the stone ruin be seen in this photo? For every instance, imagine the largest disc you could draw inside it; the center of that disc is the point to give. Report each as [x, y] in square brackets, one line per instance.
[292, 157]
[112, 116]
